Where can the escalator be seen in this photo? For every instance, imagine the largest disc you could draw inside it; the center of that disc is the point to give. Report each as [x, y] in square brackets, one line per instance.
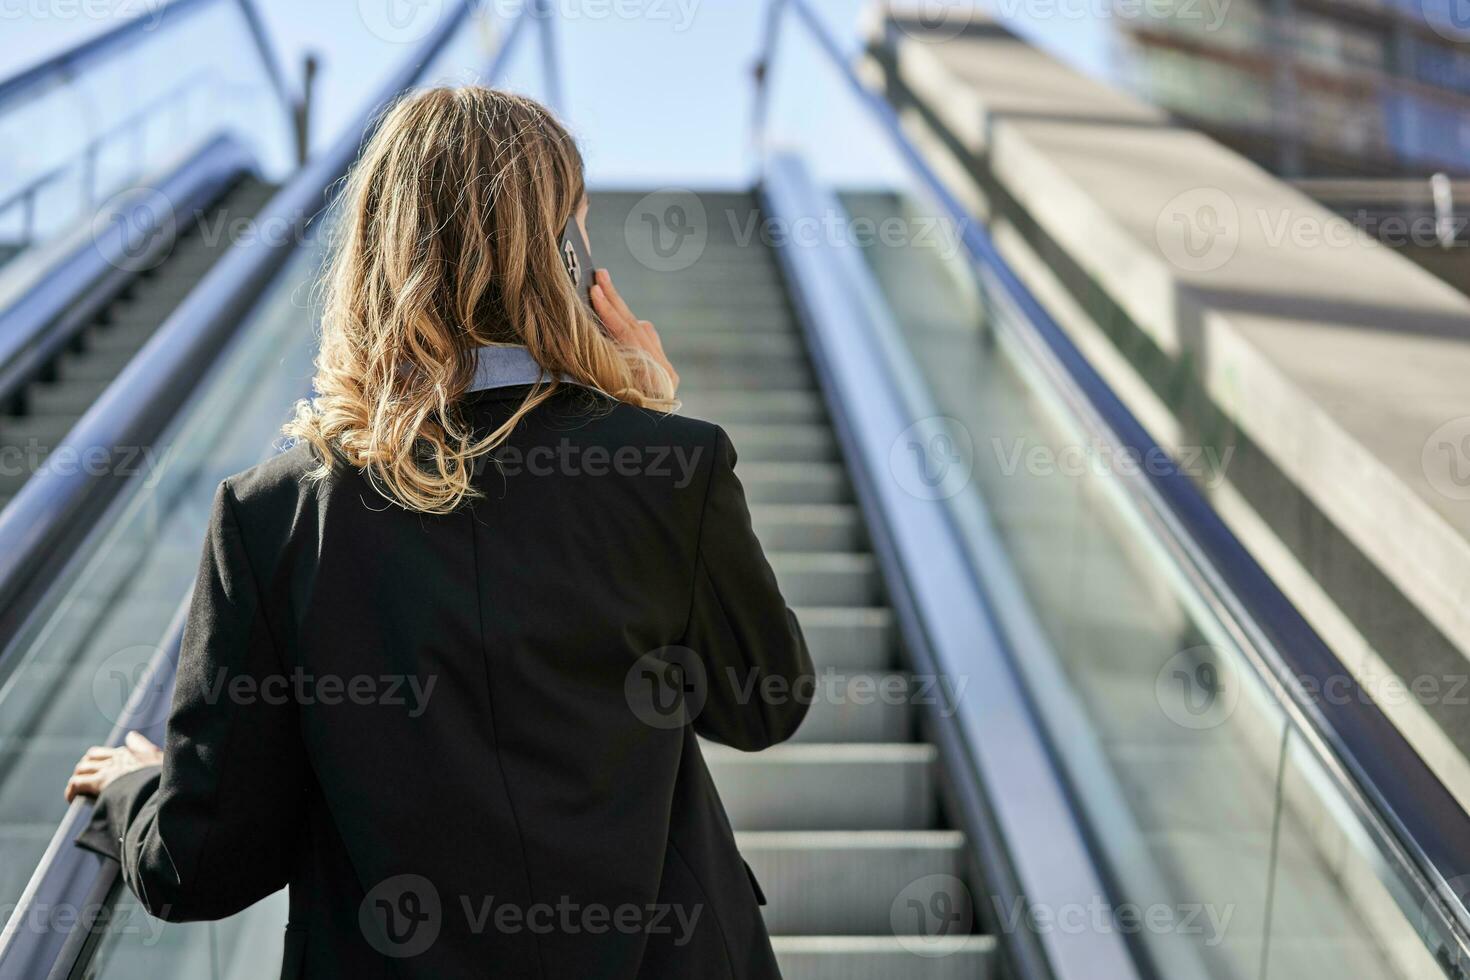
[1056, 733]
[43, 403]
[843, 826]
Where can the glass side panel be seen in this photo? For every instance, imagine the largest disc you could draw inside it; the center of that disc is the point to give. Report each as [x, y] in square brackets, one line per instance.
[79, 136]
[1226, 859]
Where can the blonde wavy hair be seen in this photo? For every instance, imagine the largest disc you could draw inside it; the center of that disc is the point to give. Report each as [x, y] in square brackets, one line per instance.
[447, 240]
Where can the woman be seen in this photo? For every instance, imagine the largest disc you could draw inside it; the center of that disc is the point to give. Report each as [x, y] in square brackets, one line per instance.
[443, 675]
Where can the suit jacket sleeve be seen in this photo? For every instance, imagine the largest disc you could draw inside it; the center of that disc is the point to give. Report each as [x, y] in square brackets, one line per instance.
[214, 830]
[758, 674]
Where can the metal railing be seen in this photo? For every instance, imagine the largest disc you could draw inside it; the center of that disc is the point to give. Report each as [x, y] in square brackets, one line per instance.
[1413, 820]
[68, 878]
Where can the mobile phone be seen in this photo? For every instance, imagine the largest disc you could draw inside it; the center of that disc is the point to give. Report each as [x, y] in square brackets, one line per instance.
[577, 258]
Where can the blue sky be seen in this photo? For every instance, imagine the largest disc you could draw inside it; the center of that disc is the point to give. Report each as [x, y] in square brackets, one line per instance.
[656, 89]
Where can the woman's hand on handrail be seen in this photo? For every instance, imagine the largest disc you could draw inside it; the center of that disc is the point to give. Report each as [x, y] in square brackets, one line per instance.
[102, 765]
[623, 326]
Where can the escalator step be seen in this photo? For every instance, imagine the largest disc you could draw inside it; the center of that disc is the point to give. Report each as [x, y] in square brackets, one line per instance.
[784, 443]
[833, 578]
[859, 706]
[850, 638]
[735, 406]
[868, 786]
[808, 527]
[71, 398]
[94, 365]
[847, 882]
[795, 483]
[886, 958]
[42, 433]
[754, 372]
[683, 346]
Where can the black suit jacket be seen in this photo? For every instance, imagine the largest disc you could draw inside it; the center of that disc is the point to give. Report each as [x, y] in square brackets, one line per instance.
[457, 738]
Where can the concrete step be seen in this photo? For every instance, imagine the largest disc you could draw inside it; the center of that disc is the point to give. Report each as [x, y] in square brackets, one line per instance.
[827, 578]
[856, 882]
[886, 958]
[790, 443]
[859, 706]
[877, 786]
[809, 527]
[850, 638]
[741, 407]
[795, 483]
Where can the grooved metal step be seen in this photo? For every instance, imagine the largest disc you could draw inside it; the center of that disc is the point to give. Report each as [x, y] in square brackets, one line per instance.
[753, 371]
[828, 578]
[854, 882]
[869, 786]
[809, 527]
[786, 443]
[859, 706]
[849, 637]
[886, 958]
[736, 407]
[795, 483]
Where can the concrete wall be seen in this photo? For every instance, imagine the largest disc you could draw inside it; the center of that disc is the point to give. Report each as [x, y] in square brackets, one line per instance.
[1231, 311]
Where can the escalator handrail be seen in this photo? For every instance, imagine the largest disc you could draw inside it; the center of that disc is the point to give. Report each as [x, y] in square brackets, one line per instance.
[78, 287]
[68, 876]
[1424, 823]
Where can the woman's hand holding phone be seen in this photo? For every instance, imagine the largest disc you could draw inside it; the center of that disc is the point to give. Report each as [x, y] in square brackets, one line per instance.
[623, 326]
